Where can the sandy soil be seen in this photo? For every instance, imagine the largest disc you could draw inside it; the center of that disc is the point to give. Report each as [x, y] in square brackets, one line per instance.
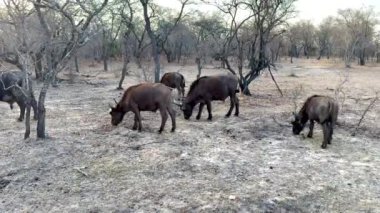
[250, 163]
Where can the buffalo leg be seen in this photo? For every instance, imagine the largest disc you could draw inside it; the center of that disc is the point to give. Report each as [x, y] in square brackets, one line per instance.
[22, 110]
[208, 103]
[201, 105]
[331, 130]
[136, 123]
[164, 117]
[172, 117]
[138, 116]
[34, 106]
[311, 127]
[326, 133]
[236, 106]
[232, 104]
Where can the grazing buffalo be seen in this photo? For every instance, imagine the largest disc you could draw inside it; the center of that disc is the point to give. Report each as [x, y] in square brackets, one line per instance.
[145, 97]
[321, 109]
[211, 88]
[174, 80]
[10, 84]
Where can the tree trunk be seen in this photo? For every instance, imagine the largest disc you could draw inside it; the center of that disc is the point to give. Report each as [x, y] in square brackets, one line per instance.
[138, 59]
[38, 66]
[105, 51]
[199, 66]
[378, 57]
[76, 63]
[179, 55]
[156, 57]
[124, 72]
[362, 57]
[126, 57]
[27, 119]
[41, 109]
[152, 36]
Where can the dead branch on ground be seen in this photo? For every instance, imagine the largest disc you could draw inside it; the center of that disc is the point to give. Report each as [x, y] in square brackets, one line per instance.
[367, 109]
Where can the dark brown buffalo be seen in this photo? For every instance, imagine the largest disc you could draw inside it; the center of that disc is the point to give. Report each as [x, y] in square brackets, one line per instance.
[174, 80]
[211, 88]
[145, 97]
[322, 109]
[10, 84]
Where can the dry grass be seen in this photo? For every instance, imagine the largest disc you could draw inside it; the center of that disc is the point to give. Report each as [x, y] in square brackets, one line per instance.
[246, 163]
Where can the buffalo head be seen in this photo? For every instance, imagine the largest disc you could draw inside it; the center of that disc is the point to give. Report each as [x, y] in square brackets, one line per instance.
[297, 124]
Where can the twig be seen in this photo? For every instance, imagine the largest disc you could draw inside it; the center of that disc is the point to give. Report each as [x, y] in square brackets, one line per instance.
[278, 123]
[274, 80]
[80, 171]
[369, 107]
[296, 93]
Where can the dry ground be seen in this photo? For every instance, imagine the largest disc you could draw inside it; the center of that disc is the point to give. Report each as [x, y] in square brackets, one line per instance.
[250, 163]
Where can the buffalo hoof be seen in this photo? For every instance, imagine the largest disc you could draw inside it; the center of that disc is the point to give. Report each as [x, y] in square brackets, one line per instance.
[198, 117]
[173, 130]
[139, 130]
[160, 131]
[329, 142]
[227, 115]
[236, 114]
[324, 146]
[20, 119]
[309, 135]
[134, 128]
[209, 118]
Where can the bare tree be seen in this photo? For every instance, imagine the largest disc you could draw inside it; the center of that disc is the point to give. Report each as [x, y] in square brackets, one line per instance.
[307, 30]
[17, 20]
[324, 37]
[62, 43]
[359, 25]
[127, 22]
[266, 18]
[154, 36]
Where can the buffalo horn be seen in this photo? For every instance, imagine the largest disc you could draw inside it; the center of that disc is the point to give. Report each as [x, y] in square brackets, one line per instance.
[177, 103]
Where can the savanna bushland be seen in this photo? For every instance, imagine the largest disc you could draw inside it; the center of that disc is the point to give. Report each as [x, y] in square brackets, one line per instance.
[80, 55]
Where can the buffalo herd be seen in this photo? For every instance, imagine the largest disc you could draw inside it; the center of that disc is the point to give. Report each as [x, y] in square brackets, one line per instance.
[158, 96]
[153, 97]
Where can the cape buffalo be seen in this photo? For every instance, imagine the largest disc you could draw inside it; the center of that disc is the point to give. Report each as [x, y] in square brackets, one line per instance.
[145, 97]
[322, 109]
[9, 81]
[211, 88]
[174, 80]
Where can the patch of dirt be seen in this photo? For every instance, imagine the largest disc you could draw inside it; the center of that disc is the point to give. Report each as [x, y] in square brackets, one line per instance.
[248, 163]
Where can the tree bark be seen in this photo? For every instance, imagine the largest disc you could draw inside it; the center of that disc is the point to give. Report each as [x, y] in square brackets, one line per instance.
[124, 70]
[105, 51]
[38, 65]
[41, 104]
[362, 57]
[76, 63]
[199, 66]
[155, 50]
